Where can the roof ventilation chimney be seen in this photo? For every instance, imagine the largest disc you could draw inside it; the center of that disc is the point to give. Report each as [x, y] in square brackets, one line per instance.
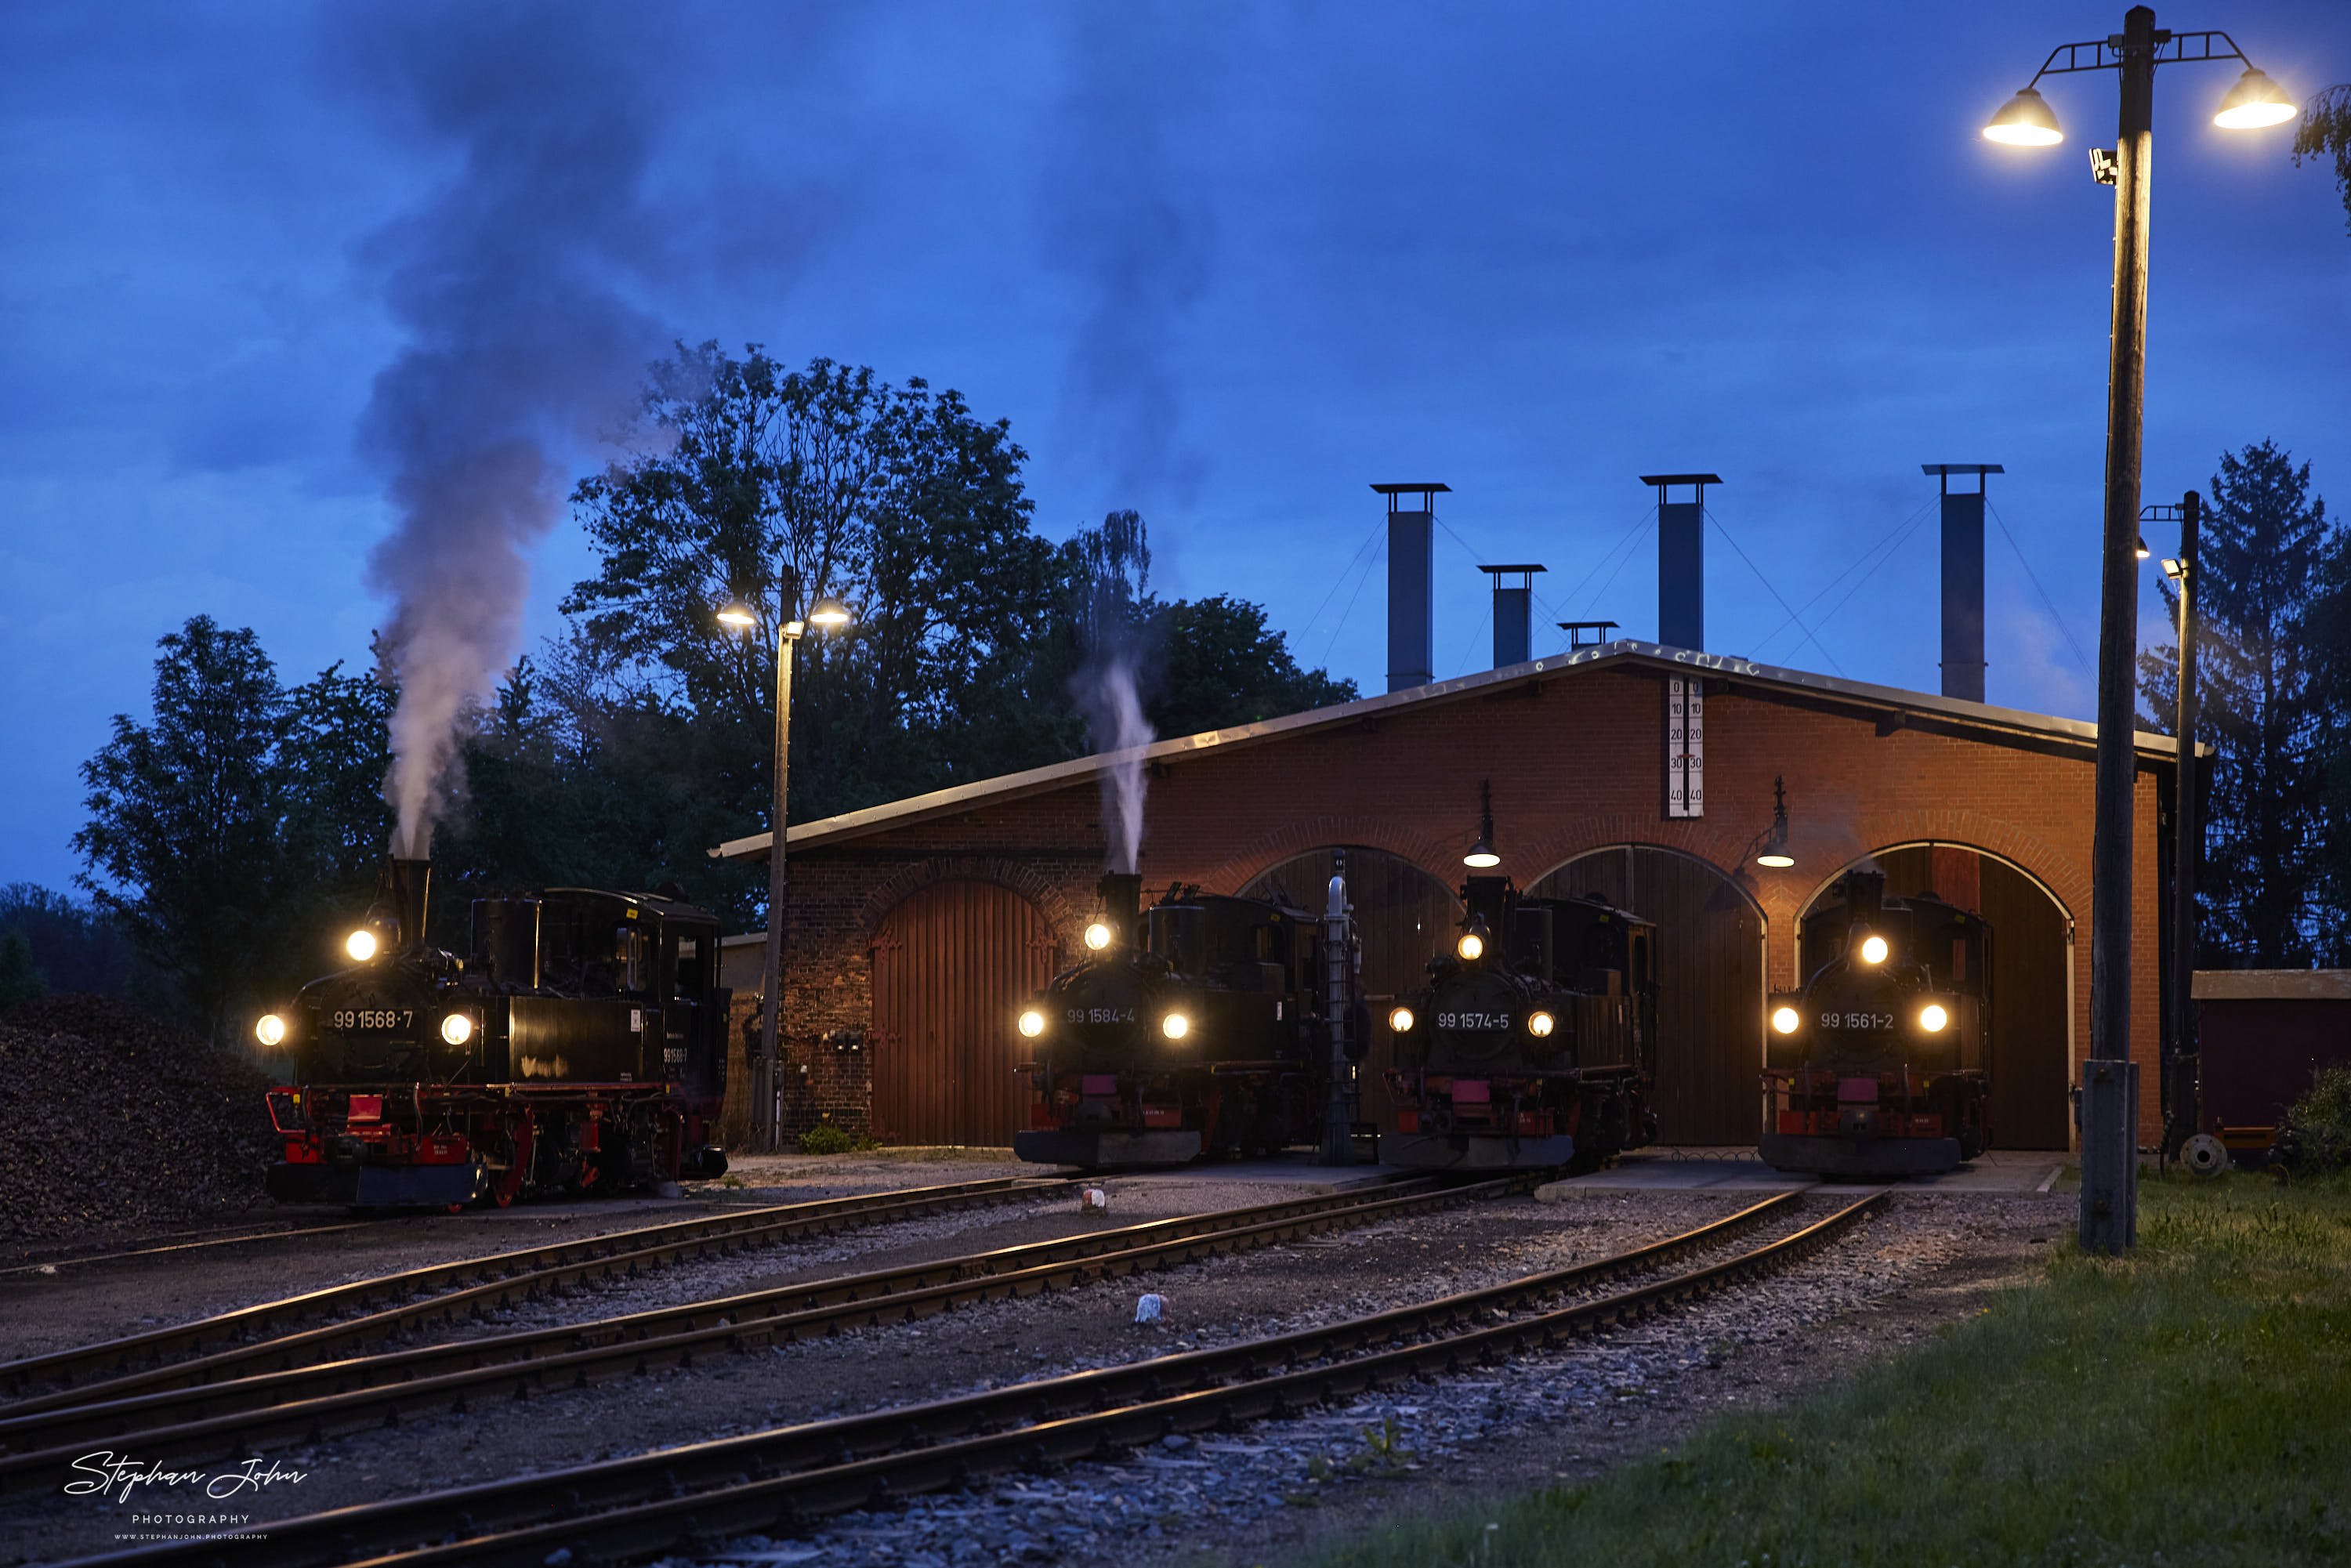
[1513, 618]
[1681, 561]
[1411, 661]
[1963, 579]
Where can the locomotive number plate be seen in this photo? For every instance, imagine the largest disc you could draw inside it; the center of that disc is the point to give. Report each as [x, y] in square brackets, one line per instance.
[1857, 1021]
[397, 1019]
[1474, 1023]
[1101, 1015]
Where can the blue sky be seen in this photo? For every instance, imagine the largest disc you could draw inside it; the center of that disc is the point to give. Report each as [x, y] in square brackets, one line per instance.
[1227, 265]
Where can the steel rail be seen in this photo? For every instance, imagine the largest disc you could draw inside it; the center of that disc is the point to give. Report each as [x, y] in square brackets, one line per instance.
[142, 1359]
[699, 1493]
[372, 1391]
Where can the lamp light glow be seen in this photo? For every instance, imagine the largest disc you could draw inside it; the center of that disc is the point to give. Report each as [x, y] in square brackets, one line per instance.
[270, 1030]
[360, 945]
[2141, 548]
[2025, 120]
[2254, 102]
[1471, 946]
[828, 614]
[1481, 855]
[1785, 1019]
[1932, 1018]
[1032, 1024]
[1098, 936]
[1540, 1025]
[1174, 1025]
[1401, 1020]
[456, 1028]
[1873, 949]
[1777, 859]
[737, 616]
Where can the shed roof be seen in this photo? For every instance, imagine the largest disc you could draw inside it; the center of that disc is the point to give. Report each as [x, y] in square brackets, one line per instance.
[2271, 985]
[1909, 709]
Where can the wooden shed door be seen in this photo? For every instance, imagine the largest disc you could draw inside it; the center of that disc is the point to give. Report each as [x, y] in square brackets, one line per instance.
[1710, 984]
[951, 967]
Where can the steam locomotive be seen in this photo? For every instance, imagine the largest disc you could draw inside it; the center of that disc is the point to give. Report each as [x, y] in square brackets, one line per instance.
[1878, 1066]
[580, 1047]
[1534, 1043]
[1202, 1025]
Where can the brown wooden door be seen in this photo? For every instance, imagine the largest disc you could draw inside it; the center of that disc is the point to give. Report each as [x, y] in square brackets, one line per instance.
[951, 967]
[2030, 1069]
[1709, 964]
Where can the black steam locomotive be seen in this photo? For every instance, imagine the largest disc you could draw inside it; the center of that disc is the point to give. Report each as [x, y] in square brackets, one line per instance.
[1199, 1027]
[1879, 1065]
[1534, 1043]
[580, 1047]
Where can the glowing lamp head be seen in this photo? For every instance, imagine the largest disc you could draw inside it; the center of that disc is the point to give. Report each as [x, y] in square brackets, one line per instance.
[738, 618]
[2254, 102]
[1785, 1019]
[1401, 1020]
[1032, 1024]
[2140, 549]
[1098, 936]
[360, 945]
[1777, 859]
[1873, 949]
[270, 1030]
[456, 1028]
[1540, 1025]
[2025, 120]
[1174, 1025]
[1932, 1018]
[1483, 856]
[1471, 946]
[828, 614]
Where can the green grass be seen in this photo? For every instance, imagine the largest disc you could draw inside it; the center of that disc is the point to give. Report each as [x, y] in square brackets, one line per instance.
[2190, 1404]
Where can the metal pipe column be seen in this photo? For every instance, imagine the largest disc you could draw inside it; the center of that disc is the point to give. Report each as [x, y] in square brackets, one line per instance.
[2180, 1111]
[764, 1131]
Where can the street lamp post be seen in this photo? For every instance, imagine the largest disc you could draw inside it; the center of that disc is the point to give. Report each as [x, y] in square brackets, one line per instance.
[2109, 1208]
[826, 615]
[2179, 1075]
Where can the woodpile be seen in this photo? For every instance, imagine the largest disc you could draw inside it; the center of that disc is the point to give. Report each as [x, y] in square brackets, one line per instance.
[114, 1124]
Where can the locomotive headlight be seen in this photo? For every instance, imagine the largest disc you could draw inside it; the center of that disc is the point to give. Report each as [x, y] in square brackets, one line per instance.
[1540, 1025]
[1785, 1019]
[1174, 1025]
[359, 945]
[1032, 1023]
[1401, 1020]
[270, 1030]
[1873, 950]
[457, 1028]
[1471, 946]
[1932, 1018]
[1098, 936]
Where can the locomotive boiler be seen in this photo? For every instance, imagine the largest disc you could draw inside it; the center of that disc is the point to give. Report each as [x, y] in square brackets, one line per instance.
[1534, 1042]
[578, 1046]
[1199, 1027]
[1879, 1065]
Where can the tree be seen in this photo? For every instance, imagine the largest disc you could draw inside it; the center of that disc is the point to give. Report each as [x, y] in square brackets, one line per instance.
[20, 980]
[186, 844]
[2325, 130]
[1222, 666]
[2264, 554]
[73, 946]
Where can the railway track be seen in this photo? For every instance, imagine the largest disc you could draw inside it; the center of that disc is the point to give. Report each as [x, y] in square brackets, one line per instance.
[162, 1357]
[314, 1402]
[693, 1498]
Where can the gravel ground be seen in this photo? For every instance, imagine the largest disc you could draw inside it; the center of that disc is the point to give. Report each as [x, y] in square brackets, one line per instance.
[1214, 1498]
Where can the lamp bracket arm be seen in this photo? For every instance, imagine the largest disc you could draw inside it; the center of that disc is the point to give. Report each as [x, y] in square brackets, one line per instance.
[2171, 48]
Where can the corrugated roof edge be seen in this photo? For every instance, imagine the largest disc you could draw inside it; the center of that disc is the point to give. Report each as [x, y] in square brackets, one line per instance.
[1037, 781]
[2271, 985]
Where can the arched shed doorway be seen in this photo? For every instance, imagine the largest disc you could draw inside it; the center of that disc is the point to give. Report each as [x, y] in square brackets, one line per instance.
[2031, 982]
[1405, 917]
[951, 966]
[1710, 983]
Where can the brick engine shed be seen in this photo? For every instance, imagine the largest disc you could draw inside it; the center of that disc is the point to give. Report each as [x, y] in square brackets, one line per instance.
[916, 929]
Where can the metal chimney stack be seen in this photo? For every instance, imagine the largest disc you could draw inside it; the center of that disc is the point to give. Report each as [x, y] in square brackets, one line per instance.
[1681, 561]
[1412, 660]
[1963, 579]
[1513, 613]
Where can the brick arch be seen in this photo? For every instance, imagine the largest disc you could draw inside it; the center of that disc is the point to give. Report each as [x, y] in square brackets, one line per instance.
[1405, 837]
[2063, 878]
[1744, 885]
[1829, 880]
[1051, 899]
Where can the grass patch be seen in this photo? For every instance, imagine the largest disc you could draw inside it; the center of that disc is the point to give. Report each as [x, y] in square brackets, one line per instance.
[2190, 1404]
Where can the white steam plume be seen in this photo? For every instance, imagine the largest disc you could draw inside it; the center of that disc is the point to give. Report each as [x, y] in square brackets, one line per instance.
[522, 352]
[1115, 718]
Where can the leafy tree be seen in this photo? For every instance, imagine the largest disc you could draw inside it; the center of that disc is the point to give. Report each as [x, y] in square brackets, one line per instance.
[73, 946]
[20, 980]
[1221, 666]
[2325, 130]
[2264, 554]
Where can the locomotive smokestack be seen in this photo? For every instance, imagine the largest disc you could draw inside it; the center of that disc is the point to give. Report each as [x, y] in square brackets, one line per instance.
[1121, 893]
[409, 882]
[1865, 896]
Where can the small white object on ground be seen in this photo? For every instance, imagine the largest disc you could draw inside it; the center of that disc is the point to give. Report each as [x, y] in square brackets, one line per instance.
[1092, 1200]
[1147, 1311]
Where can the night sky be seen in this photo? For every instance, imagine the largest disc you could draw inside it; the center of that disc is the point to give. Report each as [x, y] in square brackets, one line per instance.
[1226, 264]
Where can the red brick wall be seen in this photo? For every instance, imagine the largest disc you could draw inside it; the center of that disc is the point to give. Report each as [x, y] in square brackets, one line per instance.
[1576, 762]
